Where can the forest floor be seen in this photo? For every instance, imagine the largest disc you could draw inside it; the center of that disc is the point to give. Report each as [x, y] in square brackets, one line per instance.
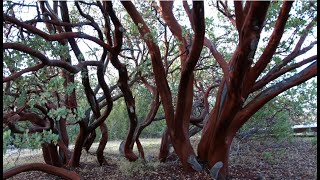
[255, 158]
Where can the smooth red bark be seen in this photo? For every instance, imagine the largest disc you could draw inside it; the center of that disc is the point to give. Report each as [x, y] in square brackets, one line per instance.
[63, 173]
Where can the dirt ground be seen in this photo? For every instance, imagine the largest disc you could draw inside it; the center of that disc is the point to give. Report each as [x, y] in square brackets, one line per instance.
[251, 159]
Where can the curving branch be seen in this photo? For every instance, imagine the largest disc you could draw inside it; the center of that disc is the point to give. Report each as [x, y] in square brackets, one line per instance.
[58, 63]
[266, 79]
[290, 58]
[274, 41]
[155, 104]
[266, 95]
[208, 43]
[205, 112]
[223, 8]
[90, 18]
[19, 73]
[245, 51]
[63, 173]
[91, 98]
[123, 81]
[155, 54]
[56, 37]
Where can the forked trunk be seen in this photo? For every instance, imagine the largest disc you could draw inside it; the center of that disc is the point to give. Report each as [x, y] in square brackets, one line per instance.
[214, 149]
[216, 138]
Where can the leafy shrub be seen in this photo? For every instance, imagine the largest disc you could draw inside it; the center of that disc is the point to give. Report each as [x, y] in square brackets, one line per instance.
[274, 119]
[282, 129]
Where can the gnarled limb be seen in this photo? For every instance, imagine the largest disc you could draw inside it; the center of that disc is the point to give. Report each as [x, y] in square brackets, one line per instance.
[157, 65]
[123, 82]
[50, 154]
[75, 158]
[56, 37]
[216, 54]
[102, 144]
[63, 173]
[223, 8]
[238, 9]
[19, 73]
[180, 137]
[58, 63]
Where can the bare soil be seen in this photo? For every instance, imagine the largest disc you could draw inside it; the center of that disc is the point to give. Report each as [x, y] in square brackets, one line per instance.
[250, 159]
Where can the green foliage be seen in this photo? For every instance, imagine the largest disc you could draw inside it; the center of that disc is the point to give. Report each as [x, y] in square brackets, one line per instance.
[56, 83]
[7, 138]
[314, 141]
[273, 118]
[70, 88]
[282, 128]
[21, 100]
[267, 155]
[27, 140]
[137, 167]
[73, 131]
[272, 15]
[118, 121]
[58, 113]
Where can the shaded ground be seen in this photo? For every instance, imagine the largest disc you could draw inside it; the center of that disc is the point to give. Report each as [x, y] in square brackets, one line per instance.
[251, 159]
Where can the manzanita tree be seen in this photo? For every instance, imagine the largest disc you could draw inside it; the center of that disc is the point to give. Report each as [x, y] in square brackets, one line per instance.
[45, 59]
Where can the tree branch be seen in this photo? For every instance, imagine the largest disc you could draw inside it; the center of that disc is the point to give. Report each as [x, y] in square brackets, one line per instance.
[239, 15]
[265, 96]
[58, 63]
[19, 73]
[66, 174]
[274, 41]
[245, 51]
[56, 37]
[216, 54]
[268, 78]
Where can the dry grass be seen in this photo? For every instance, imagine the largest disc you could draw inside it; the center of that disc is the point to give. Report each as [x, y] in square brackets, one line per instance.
[112, 148]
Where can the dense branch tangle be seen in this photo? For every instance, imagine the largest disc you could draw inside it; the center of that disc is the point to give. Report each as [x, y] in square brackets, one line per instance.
[52, 46]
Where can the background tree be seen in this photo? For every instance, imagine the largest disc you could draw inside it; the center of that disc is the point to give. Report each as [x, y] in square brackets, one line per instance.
[220, 82]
